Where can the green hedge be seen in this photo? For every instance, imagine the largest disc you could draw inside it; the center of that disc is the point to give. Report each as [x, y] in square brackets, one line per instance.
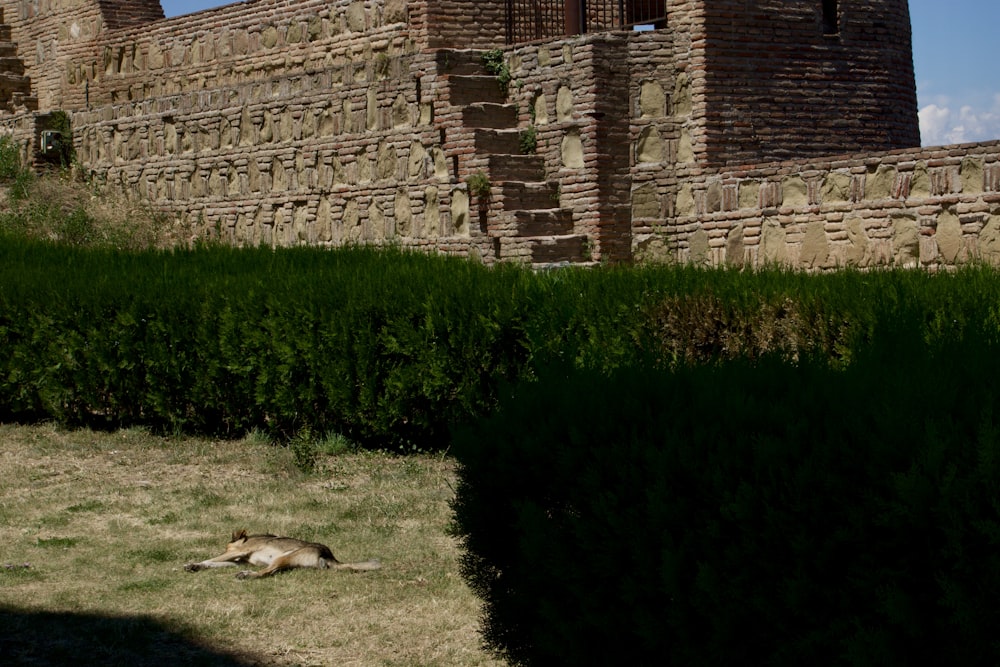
[389, 347]
[378, 344]
[385, 346]
[753, 512]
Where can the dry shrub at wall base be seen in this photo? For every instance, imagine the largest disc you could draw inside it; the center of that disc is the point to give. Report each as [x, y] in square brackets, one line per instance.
[749, 512]
[702, 327]
[711, 315]
[58, 207]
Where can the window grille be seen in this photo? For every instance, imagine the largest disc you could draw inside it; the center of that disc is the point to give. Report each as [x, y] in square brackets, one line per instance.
[529, 20]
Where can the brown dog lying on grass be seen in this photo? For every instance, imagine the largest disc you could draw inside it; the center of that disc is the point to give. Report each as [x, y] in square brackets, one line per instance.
[276, 554]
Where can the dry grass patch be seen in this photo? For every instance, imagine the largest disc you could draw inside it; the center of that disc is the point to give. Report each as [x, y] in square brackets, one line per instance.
[98, 527]
[56, 206]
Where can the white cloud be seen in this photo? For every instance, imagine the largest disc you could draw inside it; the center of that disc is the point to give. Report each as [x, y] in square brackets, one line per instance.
[941, 124]
[934, 121]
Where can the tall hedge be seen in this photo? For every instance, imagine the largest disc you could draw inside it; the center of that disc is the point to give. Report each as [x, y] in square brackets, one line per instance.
[753, 512]
[386, 345]
[390, 347]
[383, 345]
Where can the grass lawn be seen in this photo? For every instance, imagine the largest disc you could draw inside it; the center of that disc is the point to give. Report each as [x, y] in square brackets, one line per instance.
[98, 526]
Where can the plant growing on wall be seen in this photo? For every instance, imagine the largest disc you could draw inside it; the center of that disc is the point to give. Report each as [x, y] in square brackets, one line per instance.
[12, 170]
[528, 140]
[479, 185]
[496, 64]
[10, 159]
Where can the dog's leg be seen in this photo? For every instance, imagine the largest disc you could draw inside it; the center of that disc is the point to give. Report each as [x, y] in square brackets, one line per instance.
[279, 564]
[230, 559]
[207, 564]
[305, 557]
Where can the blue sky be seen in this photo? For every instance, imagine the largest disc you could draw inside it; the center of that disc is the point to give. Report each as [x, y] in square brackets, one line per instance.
[958, 84]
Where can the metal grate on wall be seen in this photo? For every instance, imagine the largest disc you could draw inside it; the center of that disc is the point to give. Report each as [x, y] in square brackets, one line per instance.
[529, 20]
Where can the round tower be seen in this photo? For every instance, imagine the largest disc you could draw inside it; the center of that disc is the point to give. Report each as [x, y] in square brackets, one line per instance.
[787, 79]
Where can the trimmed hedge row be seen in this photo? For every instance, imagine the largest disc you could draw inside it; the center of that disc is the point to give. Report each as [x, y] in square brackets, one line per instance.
[385, 346]
[753, 512]
[389, 347]
[221, 341]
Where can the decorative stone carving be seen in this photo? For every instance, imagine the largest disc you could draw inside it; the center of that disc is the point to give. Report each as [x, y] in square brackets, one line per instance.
[572, 150]
[650, 146]
[652, 100]
[815, 250]
[949, 237]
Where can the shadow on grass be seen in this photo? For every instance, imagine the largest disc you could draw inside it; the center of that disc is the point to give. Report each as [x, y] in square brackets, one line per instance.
[64, 638]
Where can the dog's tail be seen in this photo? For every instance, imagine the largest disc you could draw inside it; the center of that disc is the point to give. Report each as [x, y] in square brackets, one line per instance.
[372, 564]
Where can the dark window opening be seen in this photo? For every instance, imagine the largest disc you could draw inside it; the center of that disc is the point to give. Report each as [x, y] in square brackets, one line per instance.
[529, 20]
[645, 12]
[831, 17]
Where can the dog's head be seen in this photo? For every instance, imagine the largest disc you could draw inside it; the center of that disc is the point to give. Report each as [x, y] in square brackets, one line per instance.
[238, 536]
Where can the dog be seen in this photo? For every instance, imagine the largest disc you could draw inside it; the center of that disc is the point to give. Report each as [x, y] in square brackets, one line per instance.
[277, 554]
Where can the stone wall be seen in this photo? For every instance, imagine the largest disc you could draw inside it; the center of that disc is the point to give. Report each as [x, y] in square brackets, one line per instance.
[932, 208]
[575, 94]
[267, 122]
[23, 129]
[318, 122]
[330, 122]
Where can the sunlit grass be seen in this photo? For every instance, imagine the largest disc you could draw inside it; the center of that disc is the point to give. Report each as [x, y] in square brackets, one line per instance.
[102, 542]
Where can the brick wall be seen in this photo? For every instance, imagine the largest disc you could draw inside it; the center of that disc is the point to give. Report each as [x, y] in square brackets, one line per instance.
[124, 13]
[331, 122]
[50, 34]
[777, 87]
[275, 122]
[466, 24]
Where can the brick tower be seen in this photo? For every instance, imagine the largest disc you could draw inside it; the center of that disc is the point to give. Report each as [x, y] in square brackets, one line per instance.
[781, 79]
[770, 79]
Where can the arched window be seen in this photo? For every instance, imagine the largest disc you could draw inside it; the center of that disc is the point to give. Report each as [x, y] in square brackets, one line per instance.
[831, 17]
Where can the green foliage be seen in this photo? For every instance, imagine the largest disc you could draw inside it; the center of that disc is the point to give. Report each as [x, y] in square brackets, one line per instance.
[18, 572]
[388, 348]
[225, 341]
[10, 159]
[754, 512]
[13, 173]
[479, 185]
[153, 555]
[59, 121]
[495, 62]
[304, 451]
[334, 444]
[528, 140]
[57, 542]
